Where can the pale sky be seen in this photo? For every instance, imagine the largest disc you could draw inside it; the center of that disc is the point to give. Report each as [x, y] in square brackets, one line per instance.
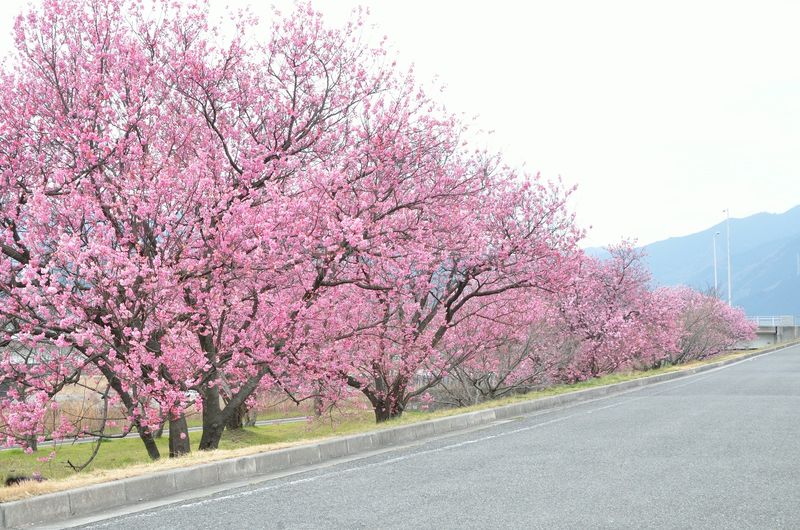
[663, 113]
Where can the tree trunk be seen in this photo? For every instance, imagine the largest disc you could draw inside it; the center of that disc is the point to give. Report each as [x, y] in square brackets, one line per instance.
[385, 409]
[212, 434]
[319, 402]
[32, 442]
[237, 418]
[215, 417]
[179, 437]
[384, 402]
[149, 442]
[318, 406]
[213, 424]
[381, 413]
[127, 400]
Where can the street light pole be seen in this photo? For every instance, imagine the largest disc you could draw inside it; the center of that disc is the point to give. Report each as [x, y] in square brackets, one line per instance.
[716, 283]
[728, 227]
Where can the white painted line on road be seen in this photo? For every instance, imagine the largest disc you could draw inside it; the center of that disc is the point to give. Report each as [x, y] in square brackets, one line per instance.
[338, 473]
[242, 494]
[333, 474]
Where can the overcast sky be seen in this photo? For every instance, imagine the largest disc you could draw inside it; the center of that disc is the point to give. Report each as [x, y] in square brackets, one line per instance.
[663, 113]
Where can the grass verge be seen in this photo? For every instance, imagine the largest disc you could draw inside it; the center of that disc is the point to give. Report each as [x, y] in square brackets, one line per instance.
[125, 458]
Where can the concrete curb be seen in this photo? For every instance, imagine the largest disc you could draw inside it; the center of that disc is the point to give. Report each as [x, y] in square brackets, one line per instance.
[55, 507]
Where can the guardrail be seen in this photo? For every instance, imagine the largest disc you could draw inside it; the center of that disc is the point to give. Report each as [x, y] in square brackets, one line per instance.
[772, 321]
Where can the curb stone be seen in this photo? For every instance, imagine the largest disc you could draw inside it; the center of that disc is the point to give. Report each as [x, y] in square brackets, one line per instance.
[56, 507]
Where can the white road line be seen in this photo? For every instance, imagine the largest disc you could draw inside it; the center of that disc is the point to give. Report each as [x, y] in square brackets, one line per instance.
[242, 494]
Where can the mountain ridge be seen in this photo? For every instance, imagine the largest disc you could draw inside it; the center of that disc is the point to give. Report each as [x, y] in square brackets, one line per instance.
[765, 261]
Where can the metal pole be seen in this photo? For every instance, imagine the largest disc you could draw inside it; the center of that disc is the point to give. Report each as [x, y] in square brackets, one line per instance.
[716, 283]
[728, 226]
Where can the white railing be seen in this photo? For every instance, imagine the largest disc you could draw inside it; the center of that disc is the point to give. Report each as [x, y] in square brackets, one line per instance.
[783, 320]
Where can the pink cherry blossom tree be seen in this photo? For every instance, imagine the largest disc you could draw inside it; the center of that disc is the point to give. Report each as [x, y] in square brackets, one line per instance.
[196, 219]
[608, 317]
[706, 325]
[443, 299]
[97, 171]
[519, 362]
[180, 215]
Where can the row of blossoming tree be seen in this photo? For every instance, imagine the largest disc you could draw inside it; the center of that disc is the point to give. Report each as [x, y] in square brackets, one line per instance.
[195, 220]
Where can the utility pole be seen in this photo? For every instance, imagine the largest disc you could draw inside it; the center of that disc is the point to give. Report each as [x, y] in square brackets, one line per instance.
[728, 226]
[716, 283]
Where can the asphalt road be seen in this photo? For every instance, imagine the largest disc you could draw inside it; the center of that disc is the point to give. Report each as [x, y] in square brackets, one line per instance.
[717, 450]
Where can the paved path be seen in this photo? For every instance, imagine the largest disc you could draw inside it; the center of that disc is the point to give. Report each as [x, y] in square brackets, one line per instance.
[717, 450]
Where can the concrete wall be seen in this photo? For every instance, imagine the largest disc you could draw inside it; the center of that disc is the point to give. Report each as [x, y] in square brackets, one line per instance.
[768, 335]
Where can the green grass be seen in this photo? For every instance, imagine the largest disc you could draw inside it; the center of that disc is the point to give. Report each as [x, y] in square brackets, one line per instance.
[116, 454]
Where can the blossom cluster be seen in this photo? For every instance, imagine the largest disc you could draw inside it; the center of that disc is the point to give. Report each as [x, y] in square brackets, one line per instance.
[194, 220]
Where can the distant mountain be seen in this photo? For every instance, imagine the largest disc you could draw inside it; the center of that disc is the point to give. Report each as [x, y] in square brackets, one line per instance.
[765, 260]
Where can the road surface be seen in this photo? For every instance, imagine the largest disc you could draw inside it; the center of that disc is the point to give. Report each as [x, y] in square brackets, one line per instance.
[717, 450]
